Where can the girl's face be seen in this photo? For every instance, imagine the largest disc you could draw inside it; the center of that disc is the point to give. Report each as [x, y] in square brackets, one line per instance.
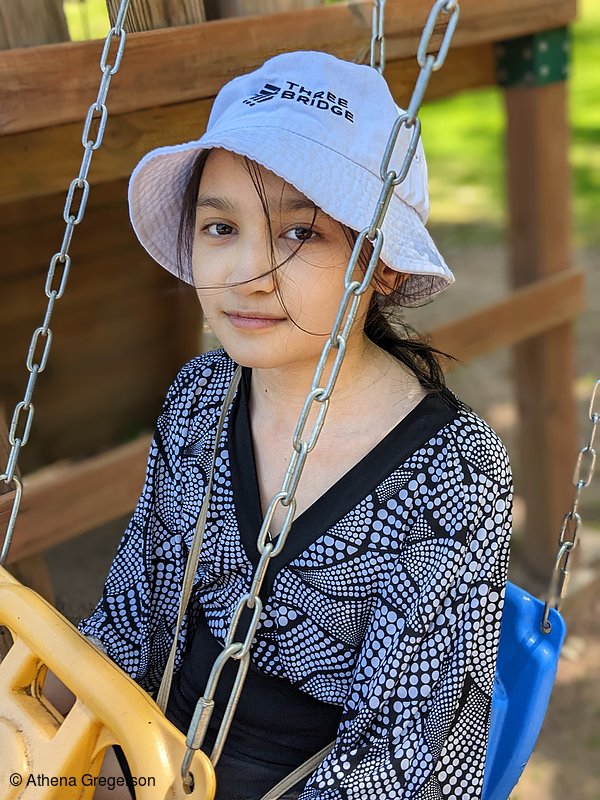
[232, 266]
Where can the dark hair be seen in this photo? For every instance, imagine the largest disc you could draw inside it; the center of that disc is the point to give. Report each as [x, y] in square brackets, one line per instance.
[411, 349]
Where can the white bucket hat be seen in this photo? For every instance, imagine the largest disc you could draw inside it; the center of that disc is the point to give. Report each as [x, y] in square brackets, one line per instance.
[321, 124]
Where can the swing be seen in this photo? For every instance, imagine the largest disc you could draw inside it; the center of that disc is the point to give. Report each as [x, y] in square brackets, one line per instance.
[34, 736]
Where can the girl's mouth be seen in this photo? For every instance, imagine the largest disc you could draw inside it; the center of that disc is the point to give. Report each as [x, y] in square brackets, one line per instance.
[253, 323]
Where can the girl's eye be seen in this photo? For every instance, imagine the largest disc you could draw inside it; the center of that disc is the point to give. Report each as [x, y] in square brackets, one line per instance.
[301, 234]
[218, 229]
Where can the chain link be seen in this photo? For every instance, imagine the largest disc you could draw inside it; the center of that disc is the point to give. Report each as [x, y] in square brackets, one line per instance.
[557, 588]
[321, 389]
[79, 186]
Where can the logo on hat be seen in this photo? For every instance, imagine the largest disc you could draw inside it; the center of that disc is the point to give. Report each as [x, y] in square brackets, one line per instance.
[267, 93]
[323, 100]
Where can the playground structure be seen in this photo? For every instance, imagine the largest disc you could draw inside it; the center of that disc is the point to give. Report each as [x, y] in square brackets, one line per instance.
[544, 70]
[124, 329]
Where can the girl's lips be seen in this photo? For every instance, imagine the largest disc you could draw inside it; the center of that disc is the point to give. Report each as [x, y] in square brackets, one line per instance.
[252, 322]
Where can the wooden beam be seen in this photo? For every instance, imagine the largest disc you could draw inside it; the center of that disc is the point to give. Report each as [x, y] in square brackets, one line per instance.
[65, 500]
[45, 161]
[527, 313]
[54, 84]
[539, 187]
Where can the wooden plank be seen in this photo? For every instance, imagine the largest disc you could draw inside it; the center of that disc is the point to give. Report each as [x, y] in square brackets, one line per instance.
[539, 185]
[68, 499]
[32, 22]
[45, 161]
[54, 84]
[115, 347]
[65, 500]
[526, 313]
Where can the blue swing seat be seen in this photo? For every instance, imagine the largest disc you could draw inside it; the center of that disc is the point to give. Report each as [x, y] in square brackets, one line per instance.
[525, 673]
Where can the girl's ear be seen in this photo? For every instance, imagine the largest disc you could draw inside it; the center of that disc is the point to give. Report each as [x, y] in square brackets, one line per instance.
[389, 279]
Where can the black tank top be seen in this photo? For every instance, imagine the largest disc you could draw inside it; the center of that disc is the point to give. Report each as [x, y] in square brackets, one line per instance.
[274, 720]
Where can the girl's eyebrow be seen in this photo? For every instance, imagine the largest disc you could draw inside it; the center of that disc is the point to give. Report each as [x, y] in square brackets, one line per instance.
[288, 205]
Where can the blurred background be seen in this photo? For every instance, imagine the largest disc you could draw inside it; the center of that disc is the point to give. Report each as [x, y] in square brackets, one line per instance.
[464, 138]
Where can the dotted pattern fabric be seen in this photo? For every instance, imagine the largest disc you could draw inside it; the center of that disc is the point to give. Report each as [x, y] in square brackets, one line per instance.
[393, 613]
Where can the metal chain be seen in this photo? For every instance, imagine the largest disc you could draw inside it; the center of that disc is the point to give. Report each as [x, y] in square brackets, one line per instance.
[320, 392]
[58, 271]
[557, 588]
[377, 37]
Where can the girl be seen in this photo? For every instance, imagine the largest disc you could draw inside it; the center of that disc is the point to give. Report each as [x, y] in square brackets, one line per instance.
[382, 613]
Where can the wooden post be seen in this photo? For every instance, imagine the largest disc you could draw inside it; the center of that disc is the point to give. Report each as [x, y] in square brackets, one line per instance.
[25, 23]
[148, 15]
[538, 189]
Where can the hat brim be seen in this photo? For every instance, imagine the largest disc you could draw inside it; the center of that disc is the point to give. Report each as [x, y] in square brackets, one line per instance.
[344, 191]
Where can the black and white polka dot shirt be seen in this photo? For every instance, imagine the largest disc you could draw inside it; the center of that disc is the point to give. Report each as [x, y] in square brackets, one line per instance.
[386, 600]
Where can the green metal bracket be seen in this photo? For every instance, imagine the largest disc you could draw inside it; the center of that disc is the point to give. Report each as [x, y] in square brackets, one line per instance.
[534, 60]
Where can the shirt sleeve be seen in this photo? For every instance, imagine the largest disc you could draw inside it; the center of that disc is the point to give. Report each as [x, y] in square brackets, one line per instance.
[415, 724]
[134, 619]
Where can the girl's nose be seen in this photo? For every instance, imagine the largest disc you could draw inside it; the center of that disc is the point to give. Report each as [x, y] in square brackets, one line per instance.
[255, 263]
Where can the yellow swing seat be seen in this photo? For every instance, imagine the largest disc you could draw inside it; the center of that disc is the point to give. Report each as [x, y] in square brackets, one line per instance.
[38, 744]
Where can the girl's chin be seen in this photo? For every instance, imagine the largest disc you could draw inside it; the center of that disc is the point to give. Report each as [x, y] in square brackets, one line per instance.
[263, 355]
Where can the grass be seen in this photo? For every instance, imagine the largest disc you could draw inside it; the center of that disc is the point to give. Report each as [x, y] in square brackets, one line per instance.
[463, 138]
